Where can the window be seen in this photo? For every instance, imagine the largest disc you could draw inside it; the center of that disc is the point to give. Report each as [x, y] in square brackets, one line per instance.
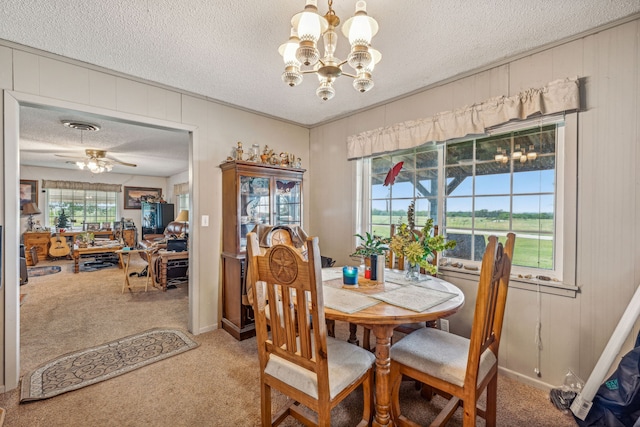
[81, 207]
[505, 182]
[182, 202]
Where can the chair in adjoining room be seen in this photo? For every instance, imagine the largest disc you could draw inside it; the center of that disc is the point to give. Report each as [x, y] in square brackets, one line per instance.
[298, 358]
[455, 366]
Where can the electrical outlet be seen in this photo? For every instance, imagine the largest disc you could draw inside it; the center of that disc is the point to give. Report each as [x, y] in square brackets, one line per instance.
[444, 325]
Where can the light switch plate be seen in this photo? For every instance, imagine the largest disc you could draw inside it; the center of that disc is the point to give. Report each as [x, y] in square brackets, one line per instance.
[205, 221]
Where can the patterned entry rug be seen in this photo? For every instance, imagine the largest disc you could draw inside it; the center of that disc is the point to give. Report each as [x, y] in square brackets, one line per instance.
[82, 368]
[43, 271]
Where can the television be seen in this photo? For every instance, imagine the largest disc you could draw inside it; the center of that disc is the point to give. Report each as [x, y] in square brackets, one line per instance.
[177, 245]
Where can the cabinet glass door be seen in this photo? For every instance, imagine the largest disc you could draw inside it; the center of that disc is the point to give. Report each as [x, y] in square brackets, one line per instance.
[287, 203]
[254, 205]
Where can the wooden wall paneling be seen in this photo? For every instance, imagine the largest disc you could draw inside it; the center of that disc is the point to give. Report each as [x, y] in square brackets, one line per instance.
[61, 80]
[26, 72]
[608, 191]
[173, 101]
[530, 72]
[624, 138]
[567, 60]
[102, 90]
[463, 91]
[560, 337]
[410, 108]
[339, 221]
[157, 102]
[491, 83]
[518, 352]
[361, 122]
[586, 240]
[6, 68]
[132, 97]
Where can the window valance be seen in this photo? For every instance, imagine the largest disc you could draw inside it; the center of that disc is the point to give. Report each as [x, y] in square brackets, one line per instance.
[76, 185]
[557, 96]
[182, 188]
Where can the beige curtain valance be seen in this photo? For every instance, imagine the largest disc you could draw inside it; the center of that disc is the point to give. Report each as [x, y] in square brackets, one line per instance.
[76, 185]
[182, 188]
[558, 96]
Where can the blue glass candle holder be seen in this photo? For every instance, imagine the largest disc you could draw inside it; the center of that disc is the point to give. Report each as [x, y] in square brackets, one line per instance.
[350, 275]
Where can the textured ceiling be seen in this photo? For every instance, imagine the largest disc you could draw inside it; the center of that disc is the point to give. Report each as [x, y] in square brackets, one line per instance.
[227, 51]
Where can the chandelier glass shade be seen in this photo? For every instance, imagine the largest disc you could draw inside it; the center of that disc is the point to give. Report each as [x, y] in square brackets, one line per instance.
[301, 50]
[518, 153]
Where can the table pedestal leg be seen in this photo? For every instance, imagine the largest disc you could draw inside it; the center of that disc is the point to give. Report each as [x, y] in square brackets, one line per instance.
[383, 335]
[76, 262]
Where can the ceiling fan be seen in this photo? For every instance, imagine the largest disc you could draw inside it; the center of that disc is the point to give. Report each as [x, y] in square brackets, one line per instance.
[96, 161]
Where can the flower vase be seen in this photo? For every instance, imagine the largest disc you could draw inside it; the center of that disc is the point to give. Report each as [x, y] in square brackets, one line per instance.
[412, 271]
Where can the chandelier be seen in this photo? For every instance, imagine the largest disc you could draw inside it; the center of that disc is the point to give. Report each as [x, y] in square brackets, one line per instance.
[95, 162]
[301, 48]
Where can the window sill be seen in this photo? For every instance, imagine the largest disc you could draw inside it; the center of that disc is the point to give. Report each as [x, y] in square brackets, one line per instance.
[547, 287]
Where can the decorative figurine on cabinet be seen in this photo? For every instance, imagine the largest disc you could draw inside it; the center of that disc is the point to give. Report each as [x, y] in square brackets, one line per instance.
[265, 157]
[239, 151]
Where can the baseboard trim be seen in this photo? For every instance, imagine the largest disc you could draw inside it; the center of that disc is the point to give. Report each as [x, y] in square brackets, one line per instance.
[208, 328]
[541, 385]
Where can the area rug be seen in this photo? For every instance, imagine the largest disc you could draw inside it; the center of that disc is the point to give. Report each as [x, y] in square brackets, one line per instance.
[43, 271]
[82, 368]
[95, 266]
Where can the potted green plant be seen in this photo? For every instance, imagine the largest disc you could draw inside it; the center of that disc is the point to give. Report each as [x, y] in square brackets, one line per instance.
[372, 250]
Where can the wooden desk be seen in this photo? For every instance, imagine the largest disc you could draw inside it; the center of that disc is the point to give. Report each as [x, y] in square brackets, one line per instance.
[382, 318]
[78, 252]
[127, 254]
[165, 257]
[40, 241]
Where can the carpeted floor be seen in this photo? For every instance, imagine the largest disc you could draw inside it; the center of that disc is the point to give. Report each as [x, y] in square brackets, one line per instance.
[216, 384]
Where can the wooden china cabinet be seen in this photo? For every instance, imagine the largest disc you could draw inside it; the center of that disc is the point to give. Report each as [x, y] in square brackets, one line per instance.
[252, 193]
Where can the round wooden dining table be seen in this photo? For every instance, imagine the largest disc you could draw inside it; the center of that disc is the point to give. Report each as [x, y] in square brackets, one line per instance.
[382, 319]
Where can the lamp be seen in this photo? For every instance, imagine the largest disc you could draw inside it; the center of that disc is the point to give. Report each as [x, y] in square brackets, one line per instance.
[183, 216]
[301, 48]
[30, 209]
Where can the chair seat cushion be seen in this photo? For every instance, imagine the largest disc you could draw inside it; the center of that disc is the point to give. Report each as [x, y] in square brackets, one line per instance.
[440, 354]
[347, 363]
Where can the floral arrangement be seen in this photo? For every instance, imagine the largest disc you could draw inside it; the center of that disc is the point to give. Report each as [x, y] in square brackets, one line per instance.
[415, 247]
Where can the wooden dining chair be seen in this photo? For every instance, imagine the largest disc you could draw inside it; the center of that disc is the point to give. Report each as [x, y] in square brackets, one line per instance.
[455, 366]
[297, 357]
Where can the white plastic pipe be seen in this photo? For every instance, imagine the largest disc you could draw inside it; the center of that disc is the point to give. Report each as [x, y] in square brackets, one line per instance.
[582, 403]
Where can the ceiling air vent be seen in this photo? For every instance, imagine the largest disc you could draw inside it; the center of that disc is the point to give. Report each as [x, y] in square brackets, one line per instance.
[81, 125]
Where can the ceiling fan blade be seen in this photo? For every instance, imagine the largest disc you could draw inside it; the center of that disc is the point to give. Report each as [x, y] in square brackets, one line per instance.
[133, 165]
[69, 157]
